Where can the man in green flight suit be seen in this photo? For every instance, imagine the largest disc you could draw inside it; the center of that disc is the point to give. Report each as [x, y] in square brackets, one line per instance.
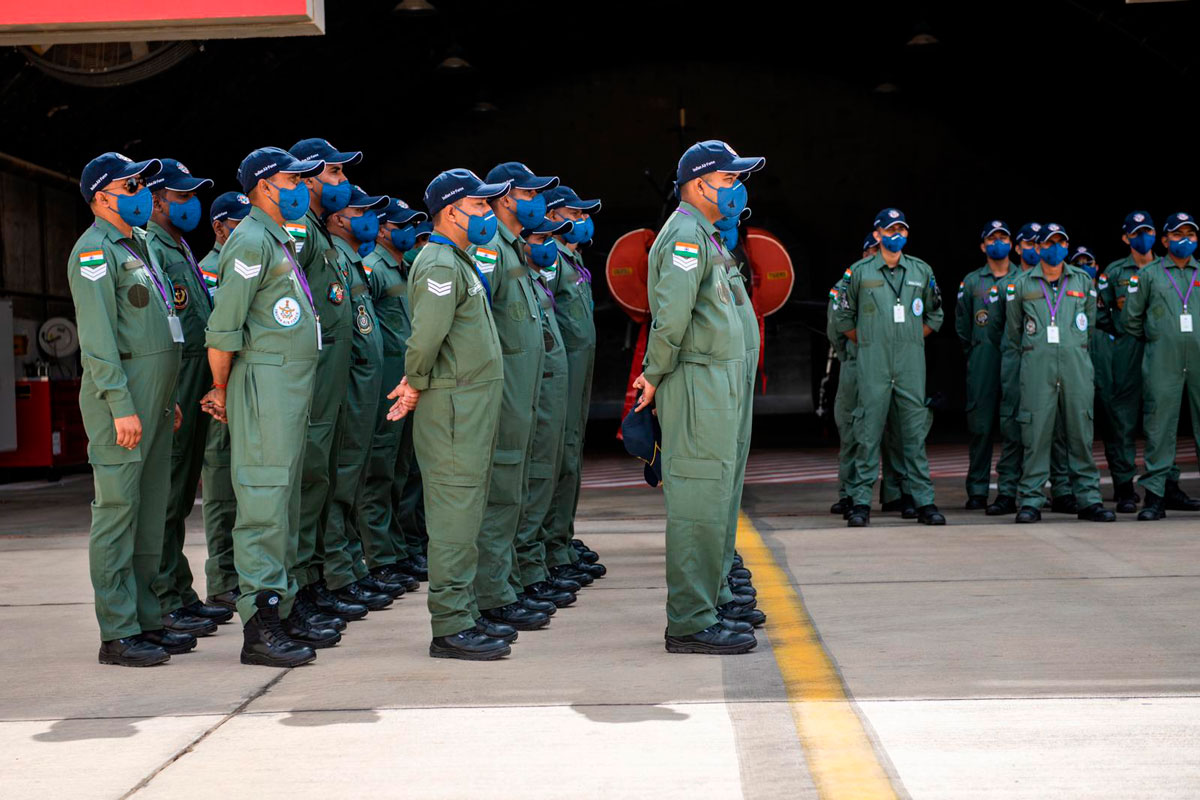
[1126, 352]
[979, 322]
[177, 211]
[454, 370]
[216, 485]
[695, 367]
[1159, 309]
[129, 344]
[888, 304]
[1099, 345]
[263, 337]
[1048, 313]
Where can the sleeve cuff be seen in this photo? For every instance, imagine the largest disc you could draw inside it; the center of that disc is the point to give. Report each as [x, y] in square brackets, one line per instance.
[121, 405]
[418, 382]
[843, 325]
[226, 341]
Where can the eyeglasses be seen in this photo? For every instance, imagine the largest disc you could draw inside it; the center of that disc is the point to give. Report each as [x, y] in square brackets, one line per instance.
[132, 184]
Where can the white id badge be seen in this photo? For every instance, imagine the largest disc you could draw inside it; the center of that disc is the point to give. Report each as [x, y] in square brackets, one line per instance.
[176, 328]
[318, 335]
[1185, 323]
[897, 313]
[1052, 334]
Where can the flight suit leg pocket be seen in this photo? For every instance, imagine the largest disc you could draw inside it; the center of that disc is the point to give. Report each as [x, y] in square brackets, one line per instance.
[1024, 424]
[471, 438]
[696, 487]
[507, 488]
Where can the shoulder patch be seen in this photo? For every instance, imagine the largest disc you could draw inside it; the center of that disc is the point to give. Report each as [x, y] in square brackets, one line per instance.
[686, 256]
[1010, 291]
[439, 289]
[247, 271]
[296, 230]
[486, 260]
[92, 265]
[1102, 281]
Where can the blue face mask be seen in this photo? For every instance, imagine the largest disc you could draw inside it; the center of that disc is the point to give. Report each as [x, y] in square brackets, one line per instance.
[404, 238]
[531, 212]
[365, 229]
[589, 230]
[730, 199]
[545, 254]
[134, 209]
[728, 226]
[1142, 243]
[1053, 254]
[998, 250]
[480, 228]
[578, 233]
[894, 243]
[1030, 257]
[185, 216]
[335, 196]
[1090, 269]
[293, 203]
[1183, 248]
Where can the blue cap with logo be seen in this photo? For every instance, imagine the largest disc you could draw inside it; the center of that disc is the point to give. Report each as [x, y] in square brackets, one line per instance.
[714, 155]
[455, 184]
[108, 167]
[176, 177]
[360, 199]
[565, 197]
[229, 205]
[322, 150]
[550, 227]
[399, 213]
[1029, 232]
[992, 227]
[1135, 221]
[424, 228]
[889, 217]
[265, 162]
[1052, 229]
[520, 176]
[870, 241]
[1177, 221]
[642, 436]
[1080, 252]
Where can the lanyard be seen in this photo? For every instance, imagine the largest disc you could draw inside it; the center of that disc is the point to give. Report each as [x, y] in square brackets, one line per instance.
[154, 277]
[1057, 300]
[1191, 285]
[537, 282]
[299, 273]
[585, 276]
[487, 287]
[888, 281]
[191, 259]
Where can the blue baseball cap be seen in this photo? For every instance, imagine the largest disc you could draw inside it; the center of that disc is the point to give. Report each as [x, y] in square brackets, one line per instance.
[870, 241]
[1051, 229]
[176, 177]
[267, 161]
[713, 155]
[1135, 221]
[322, 150]
[108, 167]
[1029, 232]
[565, 197]
[889, 217]
[424, 228]
[360, 199]
[1178, 220]
[455, 184]
[1081, 252]
[231, 205]
[399, 213]
[642, 436]
[992, 227]
[551, 227]
[520, 177]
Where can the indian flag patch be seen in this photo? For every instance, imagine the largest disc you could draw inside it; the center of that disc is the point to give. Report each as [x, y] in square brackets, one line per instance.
[961, 284]
[1103, 281]
[846, 275]
[486, 260]
[993, 294]
[296, 230]
[210, 278]
[833, 294]
[1010, 291]
[686, 256]
[1133, 284]
[92, 265]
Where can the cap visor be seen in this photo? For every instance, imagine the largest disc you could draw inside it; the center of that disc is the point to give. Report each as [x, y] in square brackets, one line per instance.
[146, 169]
[409, 215]
[372, 202]
[743, 165]
[344, 158]
[537, 184]
[305, 169]
[1143, 226]
[1178, 225]
[551, 227]
[490, 191]
[586, 206]
[189, 184]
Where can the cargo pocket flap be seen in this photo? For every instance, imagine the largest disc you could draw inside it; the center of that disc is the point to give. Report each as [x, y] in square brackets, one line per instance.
[703, 468]
[508, 457]
[262, 476]
[108, 454]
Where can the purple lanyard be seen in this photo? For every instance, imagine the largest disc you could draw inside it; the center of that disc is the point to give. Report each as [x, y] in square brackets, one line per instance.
[585, 276]
[1191, 285]
[191, 259]
[154, 277]
[547, 292]
[1057, 301]
[299, 273]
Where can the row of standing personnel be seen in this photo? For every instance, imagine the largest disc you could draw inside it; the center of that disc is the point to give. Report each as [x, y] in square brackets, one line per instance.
[1050, 341]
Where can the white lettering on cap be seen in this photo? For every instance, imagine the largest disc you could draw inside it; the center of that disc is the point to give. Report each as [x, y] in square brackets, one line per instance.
[98, 182]
[453, 192]
[264, 169]
[125, 158]
[699, 167]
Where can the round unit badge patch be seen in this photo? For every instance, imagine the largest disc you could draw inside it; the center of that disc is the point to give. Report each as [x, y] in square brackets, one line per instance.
[1081, 321]
[1030, 326]
[181, 298]
[722, 292]
[336, 293]
[981, 317]
[363, 322]
[918, 307]
[139, 296]
[287, 311]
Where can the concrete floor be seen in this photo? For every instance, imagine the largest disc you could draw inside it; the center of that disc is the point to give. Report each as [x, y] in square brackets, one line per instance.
[978, 660]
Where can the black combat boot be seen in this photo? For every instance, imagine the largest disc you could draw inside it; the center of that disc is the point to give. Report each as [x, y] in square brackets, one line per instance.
[264, 640]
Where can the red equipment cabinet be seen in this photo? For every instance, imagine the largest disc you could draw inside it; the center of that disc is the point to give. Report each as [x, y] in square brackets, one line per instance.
[49, 426]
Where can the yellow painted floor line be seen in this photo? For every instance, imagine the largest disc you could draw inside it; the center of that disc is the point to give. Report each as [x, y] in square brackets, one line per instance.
[840, 755]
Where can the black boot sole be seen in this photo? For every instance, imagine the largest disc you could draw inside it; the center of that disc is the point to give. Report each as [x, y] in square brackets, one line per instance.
[445, 652]
[254, 659]
[700, 648]
[179, 650]
[557, 604]
[524, 626]
[347, 617]
[115, 661]
[321, 645]
[197, 632]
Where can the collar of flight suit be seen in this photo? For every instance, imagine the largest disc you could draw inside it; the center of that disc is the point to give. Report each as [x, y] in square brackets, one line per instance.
[1067, 272]
[111, 233]
[386, 257]
[272, 227]
[701, 220]
[1169, 264]
[156, 231]
[514, 241]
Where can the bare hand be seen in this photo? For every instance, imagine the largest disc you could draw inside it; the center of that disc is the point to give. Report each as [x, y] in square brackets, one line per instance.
[178, 418]
[129, 431]
[648, 389]
[213, 403]
[406, 399]
[852, 335]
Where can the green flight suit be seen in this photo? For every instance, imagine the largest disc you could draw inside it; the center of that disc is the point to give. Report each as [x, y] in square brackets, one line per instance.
[130, 364]
[383, 479]
[1153, 312]
[979, 322]
[216, 486]
[1127, 352]
[341, 549]
[1055, 379]
[454, 360]
[545, 460]
[888, 308]
[696, 358]
[572, 287]
[329, 278]
[193, 303]
[518, 323]
[264, 314]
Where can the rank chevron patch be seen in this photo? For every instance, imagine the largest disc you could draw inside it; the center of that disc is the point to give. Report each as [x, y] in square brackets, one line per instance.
[439, 289]
[92, 265]
[247, 271]
[686, 256]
